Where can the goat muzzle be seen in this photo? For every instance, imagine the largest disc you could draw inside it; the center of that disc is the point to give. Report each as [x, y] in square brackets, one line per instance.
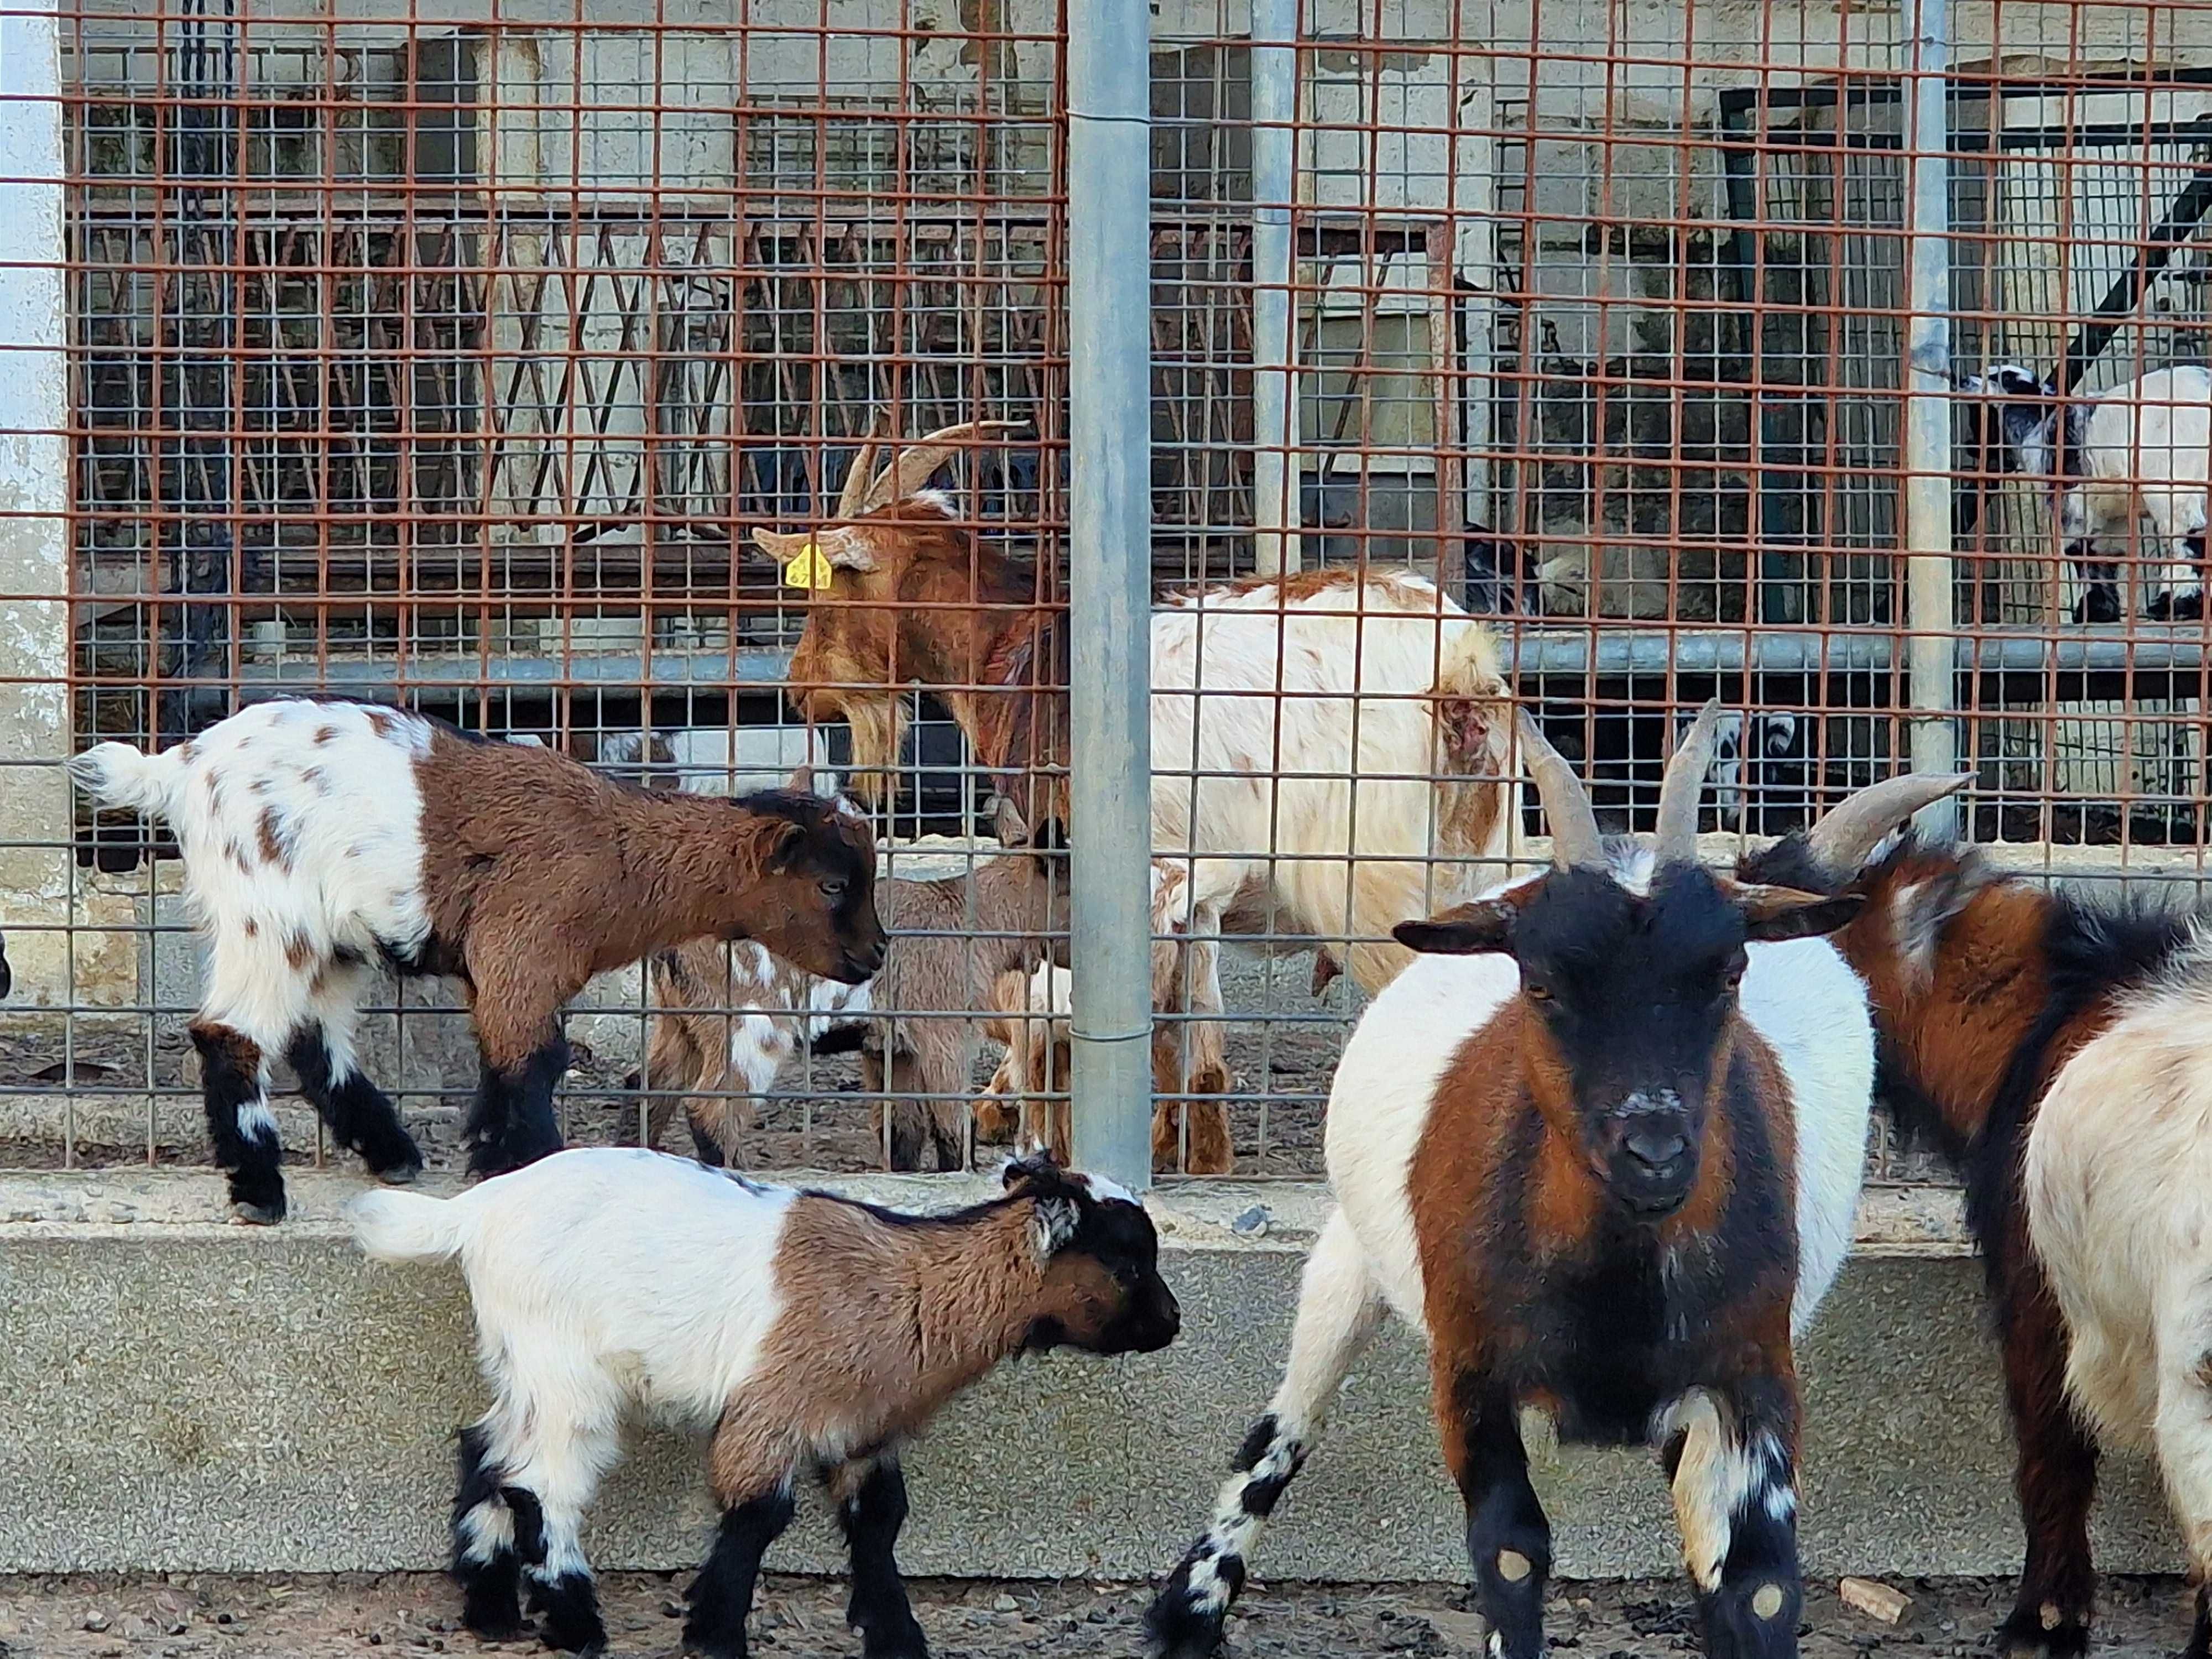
[1650, 1156]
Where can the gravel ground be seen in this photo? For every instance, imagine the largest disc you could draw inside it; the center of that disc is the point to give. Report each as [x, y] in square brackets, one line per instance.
[280, 1617]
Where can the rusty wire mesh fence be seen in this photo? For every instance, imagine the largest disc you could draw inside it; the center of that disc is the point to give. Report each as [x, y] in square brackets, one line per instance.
[457, 356]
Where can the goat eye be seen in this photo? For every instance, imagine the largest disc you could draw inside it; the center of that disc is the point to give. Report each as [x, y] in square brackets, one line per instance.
[831, 889]
[1540, 993]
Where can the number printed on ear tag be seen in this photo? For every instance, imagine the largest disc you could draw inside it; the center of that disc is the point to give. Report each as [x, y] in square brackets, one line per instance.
[808, 568]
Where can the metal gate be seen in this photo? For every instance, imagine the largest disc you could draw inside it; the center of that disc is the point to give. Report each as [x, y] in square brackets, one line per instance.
[456, 361]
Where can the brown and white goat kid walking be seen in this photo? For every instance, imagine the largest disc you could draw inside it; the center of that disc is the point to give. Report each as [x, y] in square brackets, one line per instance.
[2051, 1045]
[1604, 1153]
[320, 836]
[813, 1335]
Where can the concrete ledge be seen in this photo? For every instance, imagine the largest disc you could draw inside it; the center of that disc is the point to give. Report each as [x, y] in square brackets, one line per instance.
[184, 1395]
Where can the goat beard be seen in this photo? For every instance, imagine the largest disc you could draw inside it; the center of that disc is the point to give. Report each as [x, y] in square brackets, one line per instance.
[879, 727]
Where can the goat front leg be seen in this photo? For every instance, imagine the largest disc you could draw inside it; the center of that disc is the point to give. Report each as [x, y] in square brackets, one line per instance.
[2183, 1430]
[1509, 1541]
[870, 1509]
[2100, 585]
[1729, 1457]
[1339, 1309]
[2057, 1476]
[359, 1114]
[722, 1594]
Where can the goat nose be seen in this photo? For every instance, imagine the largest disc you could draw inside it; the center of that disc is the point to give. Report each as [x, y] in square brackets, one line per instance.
[1656, 1146]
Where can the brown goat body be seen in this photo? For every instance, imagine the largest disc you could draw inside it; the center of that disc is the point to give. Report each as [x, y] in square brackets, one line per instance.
[1982, 987]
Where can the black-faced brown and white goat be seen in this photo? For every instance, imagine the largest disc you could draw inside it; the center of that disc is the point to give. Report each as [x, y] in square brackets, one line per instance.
[2053, 1049]
[2142, 450]
[320, 836]
[813, 1335]
[1603, 1150]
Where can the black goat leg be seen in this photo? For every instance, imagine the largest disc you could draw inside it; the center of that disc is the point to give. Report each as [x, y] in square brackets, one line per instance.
[2057, 1470]
[872, 1510]
[1509, 1541]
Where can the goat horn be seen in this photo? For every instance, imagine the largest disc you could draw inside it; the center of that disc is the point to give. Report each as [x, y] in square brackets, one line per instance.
[1841, 841]
[1576, 843]
[914, 462]
[857, 481]
[1684, 783]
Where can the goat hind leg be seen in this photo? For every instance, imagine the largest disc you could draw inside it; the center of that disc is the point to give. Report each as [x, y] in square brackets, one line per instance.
[2056, 1471]
[1339, 1309]
[485, 1563]
[548, 1490]
[871, 1509]
[241, 1129]
[360, 1114]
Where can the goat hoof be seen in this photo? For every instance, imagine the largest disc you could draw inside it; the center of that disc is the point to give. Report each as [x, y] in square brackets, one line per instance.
[2044, 1631]
[1175, 1627]
[1756, 1615]
[257, 1215]
[496, 1625]
[399, 1174]
[905, 1644]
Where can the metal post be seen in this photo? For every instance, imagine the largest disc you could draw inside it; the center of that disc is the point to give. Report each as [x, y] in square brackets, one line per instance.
[1109, 580]
[37, 875]
[1931, 649]
[1275, 507]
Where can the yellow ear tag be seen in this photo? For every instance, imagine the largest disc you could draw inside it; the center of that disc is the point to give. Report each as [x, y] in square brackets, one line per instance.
[808, 568]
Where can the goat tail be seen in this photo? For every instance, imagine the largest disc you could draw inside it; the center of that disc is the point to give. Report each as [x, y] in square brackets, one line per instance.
[391, 1226]
[116, 775]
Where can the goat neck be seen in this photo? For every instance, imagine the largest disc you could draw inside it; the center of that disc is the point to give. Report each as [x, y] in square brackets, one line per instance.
[1958, 976]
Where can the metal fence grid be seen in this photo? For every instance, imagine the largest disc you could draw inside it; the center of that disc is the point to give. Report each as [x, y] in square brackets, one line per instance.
[454, 358]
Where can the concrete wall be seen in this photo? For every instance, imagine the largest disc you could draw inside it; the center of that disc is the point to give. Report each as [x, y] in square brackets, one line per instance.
[185, 1394]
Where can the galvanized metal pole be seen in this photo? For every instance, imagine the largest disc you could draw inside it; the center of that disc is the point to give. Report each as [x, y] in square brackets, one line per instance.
[1109, 580]
[1275, 514]
[1931, 649]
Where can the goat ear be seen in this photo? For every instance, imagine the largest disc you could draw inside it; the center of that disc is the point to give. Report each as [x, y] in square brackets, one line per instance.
[1008, 824]
[1773, 914]
[800, 783]
[1059, 1218]
[847, 549]
[775, 843]
[842, 548]
[1465, 930]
